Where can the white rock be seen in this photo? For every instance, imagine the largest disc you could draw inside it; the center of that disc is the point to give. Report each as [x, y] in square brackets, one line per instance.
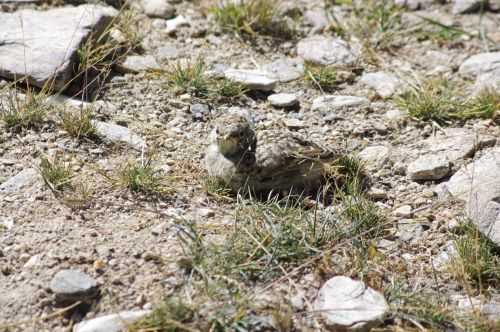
[42, 45]
[116, 133]
[404, 211]
[32, 262]
[384, 84]
[285, 70]
[478, 184]
[110, 323]
[317, 19]
[487, 81]
[429, 167]
[253, 79]
[334, 102]
[176, 23]
[137, 63]
[466, 6]
[22, 179]
[283, 99]
[349, 305]
[375, 156]
[480, 64]
[157, 8]
[441, 260]
[326, 51]
[414, 4]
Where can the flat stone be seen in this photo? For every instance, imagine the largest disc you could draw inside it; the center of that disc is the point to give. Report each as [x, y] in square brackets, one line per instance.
[157, 8]
[137, 63]
[409, 230]
[116, 133]
[487, 81]
[375, 156]
[110, 323]
[480, 64]
[429, 167]
[285, 70]
[175, 23]
[72, 286]
[252, 79]
[335, 102]
[385, 84]
[345, 304]
[414, 4]
[478, 184]
[466, 6]
[283, 99]
[326, 51]
[42, 45]
[22, 179]
[404, 211]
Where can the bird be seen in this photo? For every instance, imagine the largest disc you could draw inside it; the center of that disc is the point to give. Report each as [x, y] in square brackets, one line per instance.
[265, 160]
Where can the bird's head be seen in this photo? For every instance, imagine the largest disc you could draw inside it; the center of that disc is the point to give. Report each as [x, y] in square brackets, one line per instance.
[234, 135]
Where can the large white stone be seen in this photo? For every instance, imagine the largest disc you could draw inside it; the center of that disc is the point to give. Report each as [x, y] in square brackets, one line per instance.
[385, 84]
[253, 79]
[429, 167]
[326, 51]
[119, 134]
[110, 323]
[335, 102]
[478, 184]
[42, 45]
[345, 304]
[479, 64]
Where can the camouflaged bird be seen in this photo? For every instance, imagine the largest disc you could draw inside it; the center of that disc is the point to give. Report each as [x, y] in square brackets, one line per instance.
[271, 160]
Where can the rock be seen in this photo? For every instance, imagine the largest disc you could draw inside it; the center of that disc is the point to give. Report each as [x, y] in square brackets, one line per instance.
[429, 167]
[157, 8]
[294, 123]
[467, 6]
[478, 184]
[384, 84]
[489, 308]
[283, 100]
[22, 179]
[285, 70]
[252, 79]
[200, 112]
[71, 286]
[441, 260]
[487, 81]
[33, 261]
[494, 5]
[335, 102]
[175, 23]
[409, 230]
[317, 19]
[322, 50]
[116, 133]
[377, 194]
[404, 211]
[43, 45]
[375, 156]
[349, 305]
[480, 64]
[168, 52]
[137, 63]
[415, 4]
[110, 323]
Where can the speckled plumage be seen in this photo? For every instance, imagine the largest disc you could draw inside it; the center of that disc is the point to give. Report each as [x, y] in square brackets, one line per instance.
[271, 160]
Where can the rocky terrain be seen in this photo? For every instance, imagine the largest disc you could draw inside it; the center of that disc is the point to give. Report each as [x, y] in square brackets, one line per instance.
[109, 222]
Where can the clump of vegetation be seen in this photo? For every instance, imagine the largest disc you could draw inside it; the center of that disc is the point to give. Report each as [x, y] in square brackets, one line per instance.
[170, 315]
[249, 18]
[26, 112]
[322, 77]
[78, 124]
[190, 78]
[438, 32]
[476, 261]
[56, 173]
[440, 101]
[141, 177]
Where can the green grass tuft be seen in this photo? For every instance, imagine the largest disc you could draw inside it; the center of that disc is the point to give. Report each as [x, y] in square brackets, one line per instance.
[56, 173]
[78, 124]
[27, 112]
[142, 177]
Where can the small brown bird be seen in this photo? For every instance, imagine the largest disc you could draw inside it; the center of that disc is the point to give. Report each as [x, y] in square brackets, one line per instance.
[271, 160]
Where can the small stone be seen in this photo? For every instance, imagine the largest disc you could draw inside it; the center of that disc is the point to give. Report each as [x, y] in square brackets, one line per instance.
[176, 23]
[479, 64]
[283, 100]
[72, 285]
[335, 102]
[404, 211]
[293, 123]
[445, 256]
[429, 167]
[384, 84]
[110, 323]
[409, 230]
[326, 51]
[206, 213]
[375, 156]
[377, 194]
[252, 79]
[137, 63]
[200, 112]
[345, 304]
[317, 19]
[415, 4]
[466, 6]
[285, 70]
[157, 8]
[117, 134]
[22, 179]
[167, 52]
[33, 261]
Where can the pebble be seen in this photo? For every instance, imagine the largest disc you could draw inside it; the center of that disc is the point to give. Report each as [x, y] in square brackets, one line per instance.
[110, 323]
[324, 51]
[72, 285]
[283, 100]
[334, 102]
[285, 69]
[404, 211]
[252, 79]
[176, 23]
